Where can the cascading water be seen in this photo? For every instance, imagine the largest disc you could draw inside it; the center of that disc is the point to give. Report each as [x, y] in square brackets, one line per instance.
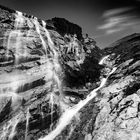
[9, 129]
[50, 42]
[13, 132]
[51, 103]
[13, 42]
[56, 65]
[71, 112]
[37, 26]
[14, 39]
[103, 59]
[53, 62]
[10, 84]
[27, 123]
[19, 20]
[56, 68]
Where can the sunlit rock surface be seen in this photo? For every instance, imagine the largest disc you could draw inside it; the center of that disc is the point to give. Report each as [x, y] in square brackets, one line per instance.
[55, 83]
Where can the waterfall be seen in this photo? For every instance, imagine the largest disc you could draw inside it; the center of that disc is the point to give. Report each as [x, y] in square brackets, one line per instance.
[51, 104]
[53, 63]
[56, 64]
[27, 123]
[19, 20]
[103, 59]
[14, 36]
[37, 26]
[9, 129]
[13, 132]
[13, 42]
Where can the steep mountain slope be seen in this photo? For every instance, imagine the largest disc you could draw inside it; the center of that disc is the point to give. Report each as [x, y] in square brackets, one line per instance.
[118, 118]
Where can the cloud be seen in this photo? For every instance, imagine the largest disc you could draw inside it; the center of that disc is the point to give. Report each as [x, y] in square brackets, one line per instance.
[112, 22]
[116, 20]
[111, 31]
[117, 11]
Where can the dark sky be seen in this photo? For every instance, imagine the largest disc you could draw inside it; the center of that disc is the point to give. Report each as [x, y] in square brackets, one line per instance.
[104, 20]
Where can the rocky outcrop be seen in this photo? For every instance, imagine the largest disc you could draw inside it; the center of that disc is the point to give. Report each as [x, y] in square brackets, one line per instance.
[63, 26]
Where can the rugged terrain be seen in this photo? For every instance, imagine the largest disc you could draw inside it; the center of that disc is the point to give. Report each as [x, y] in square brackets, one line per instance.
[52, 79]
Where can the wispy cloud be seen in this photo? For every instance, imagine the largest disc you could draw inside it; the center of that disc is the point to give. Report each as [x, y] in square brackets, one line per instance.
[112, 22]
[117, 11]
[116, 20]
[111, 31]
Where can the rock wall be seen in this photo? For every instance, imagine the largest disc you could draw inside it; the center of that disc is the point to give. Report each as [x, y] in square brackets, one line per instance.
[38, 66]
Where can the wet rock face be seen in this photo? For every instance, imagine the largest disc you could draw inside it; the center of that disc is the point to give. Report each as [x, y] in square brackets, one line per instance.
[34, 64]
[29, 73]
